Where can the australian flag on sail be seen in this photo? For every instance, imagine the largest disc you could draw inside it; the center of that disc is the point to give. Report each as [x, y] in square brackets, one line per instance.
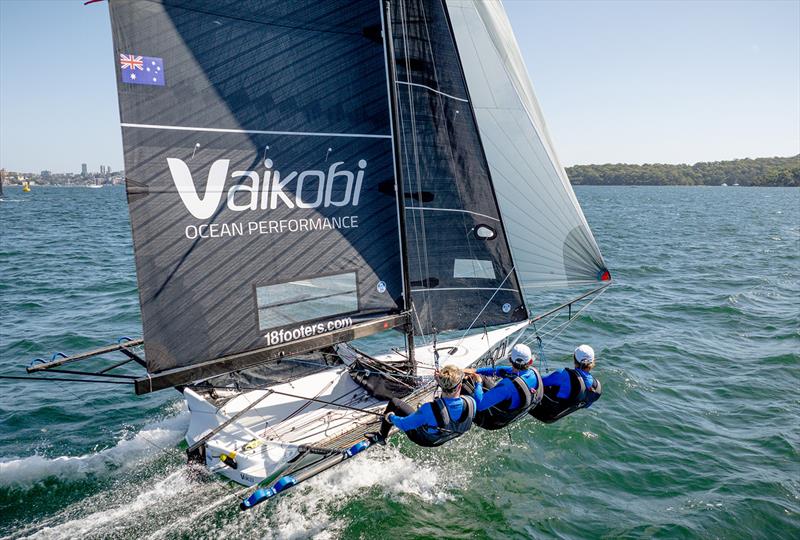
[141, 69]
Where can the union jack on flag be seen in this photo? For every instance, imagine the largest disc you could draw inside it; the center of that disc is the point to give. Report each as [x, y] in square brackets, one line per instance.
[147, 70]
[128, 61]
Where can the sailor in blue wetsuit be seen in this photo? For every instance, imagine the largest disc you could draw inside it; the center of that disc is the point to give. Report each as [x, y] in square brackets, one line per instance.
[435, 422]
[567, 390]
[517, 392]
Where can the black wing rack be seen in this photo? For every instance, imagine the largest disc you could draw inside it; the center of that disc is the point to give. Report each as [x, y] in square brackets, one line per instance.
[102, 365]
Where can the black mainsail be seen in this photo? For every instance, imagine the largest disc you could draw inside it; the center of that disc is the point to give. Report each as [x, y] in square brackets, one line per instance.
[258, 145]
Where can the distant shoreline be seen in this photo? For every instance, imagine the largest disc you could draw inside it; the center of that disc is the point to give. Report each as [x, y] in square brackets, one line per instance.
[760, 172]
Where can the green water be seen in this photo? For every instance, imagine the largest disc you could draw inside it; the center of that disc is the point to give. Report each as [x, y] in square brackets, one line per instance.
[697, 434]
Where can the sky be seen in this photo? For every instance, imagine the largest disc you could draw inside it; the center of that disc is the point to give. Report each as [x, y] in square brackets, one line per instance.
[618, 82]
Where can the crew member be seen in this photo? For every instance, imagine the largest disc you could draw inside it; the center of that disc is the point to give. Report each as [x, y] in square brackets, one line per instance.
[435, 422]
[517, 392]
[567, 390]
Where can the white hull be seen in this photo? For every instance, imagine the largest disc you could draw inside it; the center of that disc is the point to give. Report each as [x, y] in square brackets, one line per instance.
[273, 429]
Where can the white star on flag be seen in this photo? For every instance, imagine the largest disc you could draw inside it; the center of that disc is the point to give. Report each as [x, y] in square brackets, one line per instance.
[133, 76]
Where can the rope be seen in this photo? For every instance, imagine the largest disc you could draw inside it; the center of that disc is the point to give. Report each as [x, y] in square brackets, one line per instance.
[423, 259]
[542, 357]
[419, 322]
[368, 371]
[286, 394]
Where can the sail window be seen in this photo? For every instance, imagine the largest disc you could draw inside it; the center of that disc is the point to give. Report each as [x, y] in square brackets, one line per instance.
[485, 232]
[289, 303]
[473, 269]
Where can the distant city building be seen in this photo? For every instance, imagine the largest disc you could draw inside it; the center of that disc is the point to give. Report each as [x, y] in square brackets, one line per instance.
[102, 169]
[84, 170]
[108, 169]
[45, 174]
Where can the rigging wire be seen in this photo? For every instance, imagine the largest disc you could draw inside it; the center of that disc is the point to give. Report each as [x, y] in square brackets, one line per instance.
[558, 329]
[563, 326]
[484, 308]
[542, 357]
[419, 322]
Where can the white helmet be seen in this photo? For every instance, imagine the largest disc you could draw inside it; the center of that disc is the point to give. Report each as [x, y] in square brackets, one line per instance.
[521, 355]
[584, 355]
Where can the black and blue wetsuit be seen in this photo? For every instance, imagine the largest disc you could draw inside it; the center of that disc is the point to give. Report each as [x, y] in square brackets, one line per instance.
[434, 423]
[566, 391]
[504, 389]
[503, 402]
[561, 379]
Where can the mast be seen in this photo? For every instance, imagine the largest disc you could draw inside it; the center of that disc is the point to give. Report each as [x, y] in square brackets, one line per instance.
[398, 173]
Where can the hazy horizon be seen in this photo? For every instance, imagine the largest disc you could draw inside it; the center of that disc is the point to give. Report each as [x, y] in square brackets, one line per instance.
[36, 170]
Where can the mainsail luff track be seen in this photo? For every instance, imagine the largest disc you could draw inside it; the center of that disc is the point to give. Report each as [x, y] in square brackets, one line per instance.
[394, 109]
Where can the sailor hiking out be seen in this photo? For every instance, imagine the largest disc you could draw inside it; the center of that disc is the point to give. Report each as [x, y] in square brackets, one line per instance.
[567, 390]
[517, 392]
[435, 422]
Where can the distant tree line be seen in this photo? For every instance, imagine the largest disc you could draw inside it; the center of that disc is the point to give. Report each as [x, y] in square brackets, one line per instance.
[775, 171]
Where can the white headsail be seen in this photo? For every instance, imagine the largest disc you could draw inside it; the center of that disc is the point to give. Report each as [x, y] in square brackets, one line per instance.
[550, 239]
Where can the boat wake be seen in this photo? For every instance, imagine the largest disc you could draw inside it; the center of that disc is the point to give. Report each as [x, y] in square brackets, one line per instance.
[186, 500]
[127, 452]
[385, 471]
[312, 510]
[120, 517]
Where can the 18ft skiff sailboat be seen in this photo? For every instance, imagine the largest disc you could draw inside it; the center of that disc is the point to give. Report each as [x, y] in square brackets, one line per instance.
[303, 174]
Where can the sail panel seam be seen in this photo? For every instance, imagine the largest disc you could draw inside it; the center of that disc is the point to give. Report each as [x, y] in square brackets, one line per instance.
[467, 289]
[256, 131]
[425, 208]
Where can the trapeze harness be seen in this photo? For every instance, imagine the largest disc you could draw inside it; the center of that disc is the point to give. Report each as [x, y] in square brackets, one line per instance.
[446, 428]
[553, 408]
[500, 416]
